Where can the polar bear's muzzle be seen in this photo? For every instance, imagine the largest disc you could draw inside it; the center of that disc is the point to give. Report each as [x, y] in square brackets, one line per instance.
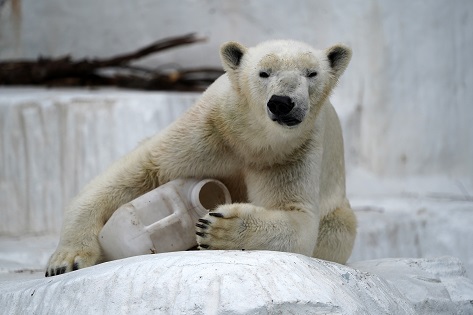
[281, 110]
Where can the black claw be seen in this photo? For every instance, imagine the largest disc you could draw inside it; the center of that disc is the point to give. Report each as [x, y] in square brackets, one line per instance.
[75, 266]
[201, 226]
[216, 214]
[200, 234]
[46, 274]
[204, 221]
[204, 246]
[52, 272]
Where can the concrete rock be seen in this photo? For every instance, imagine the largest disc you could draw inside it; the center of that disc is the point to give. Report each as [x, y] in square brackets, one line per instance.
[433, 286]
[252, 282]
[225, 282]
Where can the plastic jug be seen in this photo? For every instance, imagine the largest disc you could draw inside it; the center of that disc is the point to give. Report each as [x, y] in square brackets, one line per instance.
[162, 220]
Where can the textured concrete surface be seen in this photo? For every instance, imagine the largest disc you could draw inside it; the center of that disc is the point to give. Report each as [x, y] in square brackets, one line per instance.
[54, 141]
[235, 282]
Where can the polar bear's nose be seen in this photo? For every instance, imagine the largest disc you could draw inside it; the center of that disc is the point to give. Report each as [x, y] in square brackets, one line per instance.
[280, 105]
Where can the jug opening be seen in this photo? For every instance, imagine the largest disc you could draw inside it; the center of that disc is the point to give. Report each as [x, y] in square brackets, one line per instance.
[212, 194]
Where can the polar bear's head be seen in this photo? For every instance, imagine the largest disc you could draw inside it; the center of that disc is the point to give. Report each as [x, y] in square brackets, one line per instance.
[287, 81]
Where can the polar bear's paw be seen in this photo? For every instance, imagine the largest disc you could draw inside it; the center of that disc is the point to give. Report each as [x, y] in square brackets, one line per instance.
[227, 227]
[66, 259]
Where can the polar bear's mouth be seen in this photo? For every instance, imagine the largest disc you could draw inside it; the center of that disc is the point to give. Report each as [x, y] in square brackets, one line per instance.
[287, 121]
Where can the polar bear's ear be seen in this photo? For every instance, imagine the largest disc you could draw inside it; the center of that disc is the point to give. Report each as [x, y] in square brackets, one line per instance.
[338, 56]
[231, 54]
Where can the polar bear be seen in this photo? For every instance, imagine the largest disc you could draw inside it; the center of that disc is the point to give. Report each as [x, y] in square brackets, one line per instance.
[266, 129]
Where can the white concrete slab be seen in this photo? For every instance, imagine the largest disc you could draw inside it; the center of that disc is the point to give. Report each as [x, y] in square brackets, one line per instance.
[253, 282]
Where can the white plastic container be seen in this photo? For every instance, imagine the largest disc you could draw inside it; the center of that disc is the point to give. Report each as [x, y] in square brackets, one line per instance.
[162, 220]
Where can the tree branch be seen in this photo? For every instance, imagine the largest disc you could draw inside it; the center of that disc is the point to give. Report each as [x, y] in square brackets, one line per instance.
[65, 72]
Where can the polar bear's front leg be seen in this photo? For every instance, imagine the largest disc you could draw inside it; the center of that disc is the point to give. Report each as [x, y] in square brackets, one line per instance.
[245, 226]
[282, 215]
[126, 179]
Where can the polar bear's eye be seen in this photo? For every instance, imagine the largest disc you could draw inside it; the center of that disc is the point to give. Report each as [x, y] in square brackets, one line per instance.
[312, 74]
[263, 74]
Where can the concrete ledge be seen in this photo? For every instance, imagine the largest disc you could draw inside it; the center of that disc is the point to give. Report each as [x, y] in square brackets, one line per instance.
[255, 282]
[55, 141]
[393, 226]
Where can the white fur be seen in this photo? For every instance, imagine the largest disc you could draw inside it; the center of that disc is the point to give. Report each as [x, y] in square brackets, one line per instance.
[288, 183]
